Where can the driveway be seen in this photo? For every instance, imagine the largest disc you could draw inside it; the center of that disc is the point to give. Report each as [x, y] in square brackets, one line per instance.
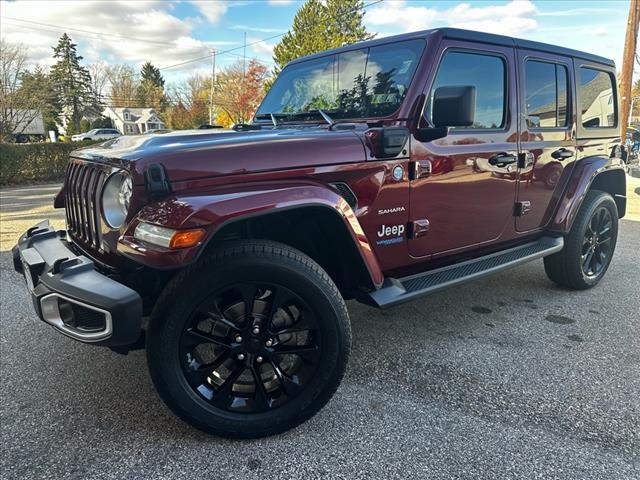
[508, 377]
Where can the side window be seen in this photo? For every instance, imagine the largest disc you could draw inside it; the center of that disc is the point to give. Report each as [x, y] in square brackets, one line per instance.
[597, 103]
[545, 94]
[487, 74]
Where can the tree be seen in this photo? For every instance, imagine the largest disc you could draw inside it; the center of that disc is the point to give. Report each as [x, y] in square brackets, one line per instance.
[18, 108]
[318, 26]
[124, 84]
[150, 91]
[190, 110]
[99, 81]
[238, 92]
[635, 96]
[71, 81]
[38, 88]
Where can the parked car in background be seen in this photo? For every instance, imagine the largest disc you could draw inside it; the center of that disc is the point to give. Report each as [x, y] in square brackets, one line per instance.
[97, 134]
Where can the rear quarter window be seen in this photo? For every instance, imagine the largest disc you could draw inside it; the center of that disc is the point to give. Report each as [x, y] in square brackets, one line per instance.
[597, 98]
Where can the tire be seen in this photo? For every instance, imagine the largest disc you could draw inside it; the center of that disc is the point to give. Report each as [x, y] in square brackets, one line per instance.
[576, 266]
[296, 308]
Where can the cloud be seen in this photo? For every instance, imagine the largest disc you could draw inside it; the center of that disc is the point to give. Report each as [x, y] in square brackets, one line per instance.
[574, 11]
[508, 19]
[512, 18]
[213, 11]
[127, 32]
[395, 13]
[280, 3]
[261, 47]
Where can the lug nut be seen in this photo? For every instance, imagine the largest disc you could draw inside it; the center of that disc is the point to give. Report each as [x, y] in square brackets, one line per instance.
[238, 339]
[269, 343]
[240, 356]
[256, 330]
[259, 359]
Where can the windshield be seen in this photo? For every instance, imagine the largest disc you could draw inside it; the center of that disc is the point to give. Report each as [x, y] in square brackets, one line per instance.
[369, 82]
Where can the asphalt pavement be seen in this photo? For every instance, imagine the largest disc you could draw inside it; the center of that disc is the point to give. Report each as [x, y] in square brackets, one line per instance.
[508, 377]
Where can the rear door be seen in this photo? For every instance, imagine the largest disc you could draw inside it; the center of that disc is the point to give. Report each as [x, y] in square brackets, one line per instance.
[465, 196]
[548, 144]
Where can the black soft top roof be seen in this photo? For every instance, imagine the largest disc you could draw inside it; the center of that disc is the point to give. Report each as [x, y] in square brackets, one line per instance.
[472, 36]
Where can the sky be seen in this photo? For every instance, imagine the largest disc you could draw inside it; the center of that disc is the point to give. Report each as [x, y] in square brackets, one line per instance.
[170, 34]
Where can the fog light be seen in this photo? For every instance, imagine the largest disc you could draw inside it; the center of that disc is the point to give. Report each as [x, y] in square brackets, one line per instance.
[168, 237]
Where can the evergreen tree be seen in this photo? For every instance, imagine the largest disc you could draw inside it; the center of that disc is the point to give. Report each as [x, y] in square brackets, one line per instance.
[71, 81]
[151, 89]
[37, 86]
[152, 74]
[319, 26]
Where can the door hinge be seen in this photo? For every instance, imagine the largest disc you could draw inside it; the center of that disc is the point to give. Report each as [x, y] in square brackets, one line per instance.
[521, 208]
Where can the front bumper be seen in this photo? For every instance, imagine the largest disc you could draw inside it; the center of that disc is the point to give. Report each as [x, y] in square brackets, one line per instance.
[71, 295]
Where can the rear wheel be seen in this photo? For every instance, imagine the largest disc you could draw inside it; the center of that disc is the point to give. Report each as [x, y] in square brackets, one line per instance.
[589, 246]
[251, 341]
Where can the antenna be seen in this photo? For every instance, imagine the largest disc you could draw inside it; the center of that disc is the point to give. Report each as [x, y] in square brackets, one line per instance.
[327, 118]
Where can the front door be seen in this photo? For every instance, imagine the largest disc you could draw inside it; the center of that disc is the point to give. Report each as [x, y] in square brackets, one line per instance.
[464, 191]
[548, 135]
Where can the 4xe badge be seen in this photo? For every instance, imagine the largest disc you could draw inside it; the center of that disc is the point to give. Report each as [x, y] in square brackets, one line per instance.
[394, 231]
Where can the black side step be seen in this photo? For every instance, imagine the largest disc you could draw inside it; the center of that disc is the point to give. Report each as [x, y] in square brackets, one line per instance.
[395, 291]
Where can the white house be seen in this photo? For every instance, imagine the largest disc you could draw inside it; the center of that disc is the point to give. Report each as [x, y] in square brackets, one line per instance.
[133, 121]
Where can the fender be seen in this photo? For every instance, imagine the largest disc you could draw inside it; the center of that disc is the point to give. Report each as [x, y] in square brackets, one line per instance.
[582, 178]
[213, 210]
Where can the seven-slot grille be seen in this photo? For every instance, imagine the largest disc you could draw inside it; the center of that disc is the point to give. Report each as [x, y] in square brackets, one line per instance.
[83, 184]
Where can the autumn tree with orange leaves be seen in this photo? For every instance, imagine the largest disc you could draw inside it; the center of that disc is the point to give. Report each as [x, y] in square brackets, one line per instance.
[238, 92]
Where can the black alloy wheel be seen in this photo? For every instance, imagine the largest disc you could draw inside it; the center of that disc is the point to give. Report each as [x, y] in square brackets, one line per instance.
[250, 347]
[596, 247]
[589, 246]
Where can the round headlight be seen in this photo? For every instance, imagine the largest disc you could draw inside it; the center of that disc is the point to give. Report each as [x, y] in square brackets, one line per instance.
[116, 195]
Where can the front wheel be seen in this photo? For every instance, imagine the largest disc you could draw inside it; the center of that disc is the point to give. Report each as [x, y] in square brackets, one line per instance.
[589, 246]
[251, 341]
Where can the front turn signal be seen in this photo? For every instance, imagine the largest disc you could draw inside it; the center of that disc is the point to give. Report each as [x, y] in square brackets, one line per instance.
[186, 238]
[168, 237]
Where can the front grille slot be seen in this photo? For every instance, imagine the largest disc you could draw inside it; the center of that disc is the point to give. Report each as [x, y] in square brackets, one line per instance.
[83, 186]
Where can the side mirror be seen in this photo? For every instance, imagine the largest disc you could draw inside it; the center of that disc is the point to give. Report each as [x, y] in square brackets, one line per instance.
[454, 106]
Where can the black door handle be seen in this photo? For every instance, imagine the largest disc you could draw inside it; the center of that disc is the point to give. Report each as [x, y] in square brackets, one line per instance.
[561, 154]
[502, 159]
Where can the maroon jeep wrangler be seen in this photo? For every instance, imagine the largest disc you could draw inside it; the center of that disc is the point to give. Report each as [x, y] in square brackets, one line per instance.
[382, 172]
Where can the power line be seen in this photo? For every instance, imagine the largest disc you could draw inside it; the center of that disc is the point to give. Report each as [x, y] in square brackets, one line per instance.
[221, 52]
[62, 29]
[93, 32]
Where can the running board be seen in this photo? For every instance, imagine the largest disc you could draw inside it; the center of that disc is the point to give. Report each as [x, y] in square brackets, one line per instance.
[395, 291]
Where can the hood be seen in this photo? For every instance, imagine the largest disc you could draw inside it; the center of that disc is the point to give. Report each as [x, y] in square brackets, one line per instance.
[206, 153]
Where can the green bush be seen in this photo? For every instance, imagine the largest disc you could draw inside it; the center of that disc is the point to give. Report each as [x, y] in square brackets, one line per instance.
[35, 162]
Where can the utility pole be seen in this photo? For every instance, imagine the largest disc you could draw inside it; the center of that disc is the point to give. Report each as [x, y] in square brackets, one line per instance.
[628, 59]
[213, 81]
[244, 55]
